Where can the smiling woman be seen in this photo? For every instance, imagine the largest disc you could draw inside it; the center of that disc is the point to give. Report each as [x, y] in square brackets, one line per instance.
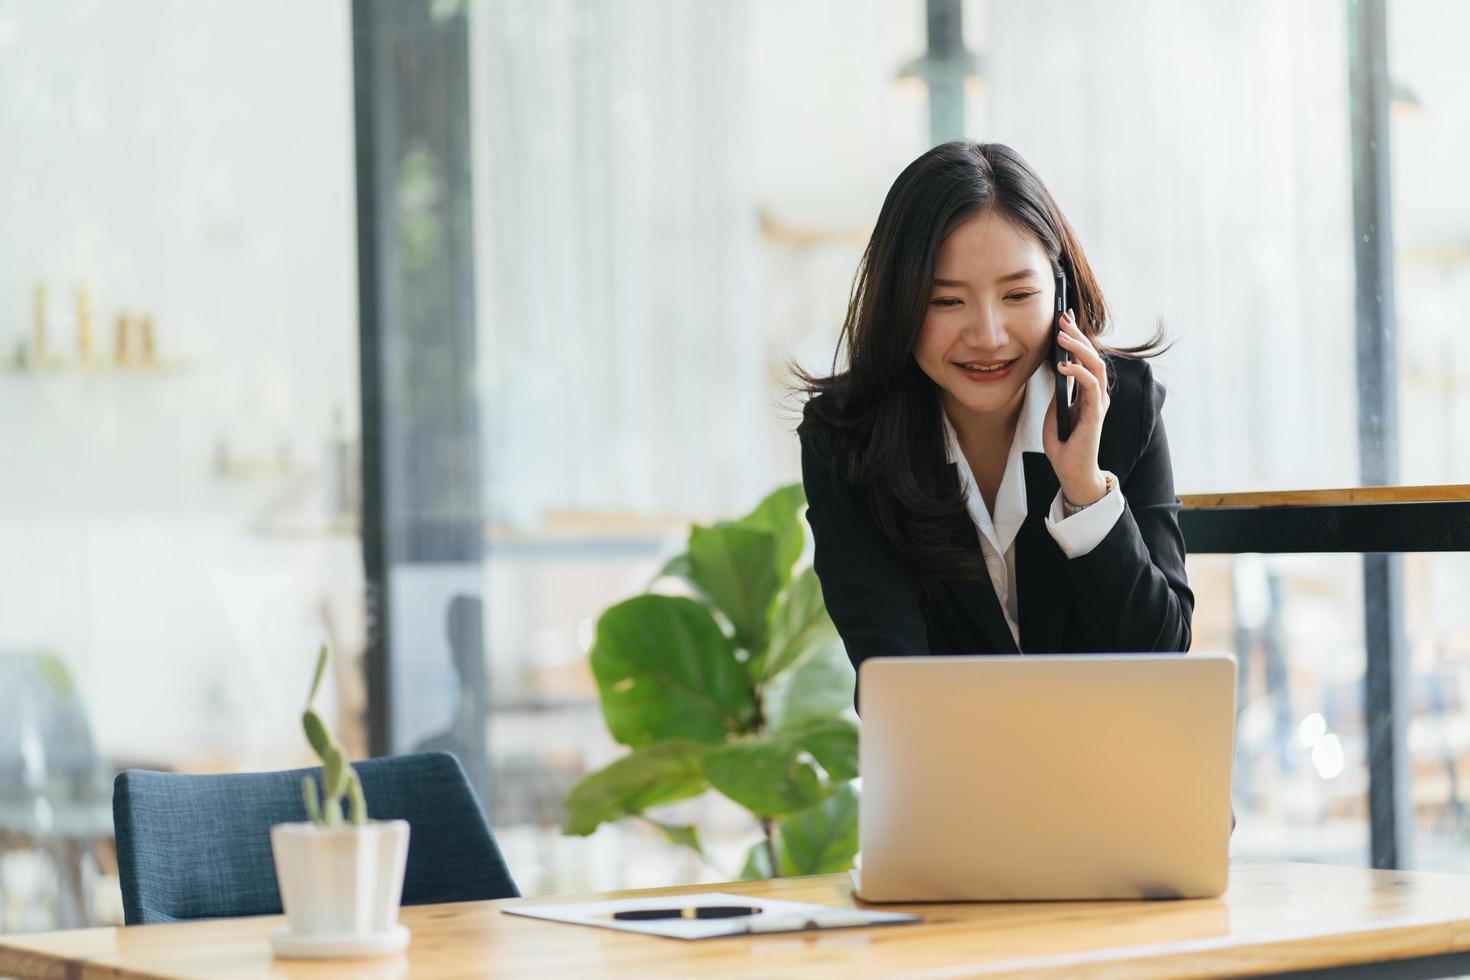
[983, 327]
[935, 454]
[979, 344]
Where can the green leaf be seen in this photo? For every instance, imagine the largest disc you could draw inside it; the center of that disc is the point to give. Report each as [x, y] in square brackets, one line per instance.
[317, 733]
[799, 625]
[766, 776]
[356, 802]
[676, 567]
[773, 775]
[335, 770]
[684, 835]
[649, 776]
[665, 670]
[321, 669]
[736, 568]
[309, 797]
[757, 863]
[833, 742]
[779, 514]
[821, 686]
[822, 840]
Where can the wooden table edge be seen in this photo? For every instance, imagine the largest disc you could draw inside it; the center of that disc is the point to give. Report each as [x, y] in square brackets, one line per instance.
[1290, 951]
[1428, 494]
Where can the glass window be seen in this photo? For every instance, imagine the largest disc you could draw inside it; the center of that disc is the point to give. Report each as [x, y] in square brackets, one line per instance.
[1295, 626]
[178, 407]
[1429, 121]
[650, 256]
[1439, 699]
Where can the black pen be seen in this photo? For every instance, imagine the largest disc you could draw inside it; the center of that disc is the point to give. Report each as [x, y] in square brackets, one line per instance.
[689, 912]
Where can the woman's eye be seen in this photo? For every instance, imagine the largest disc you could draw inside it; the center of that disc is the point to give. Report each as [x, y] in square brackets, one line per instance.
[946, 301]
[1020, 296]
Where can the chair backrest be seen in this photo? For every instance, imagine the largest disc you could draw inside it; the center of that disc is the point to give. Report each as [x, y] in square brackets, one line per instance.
[198, 847]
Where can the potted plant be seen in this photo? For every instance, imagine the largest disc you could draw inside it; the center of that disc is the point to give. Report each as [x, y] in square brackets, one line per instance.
[341, 881]
[740, 685]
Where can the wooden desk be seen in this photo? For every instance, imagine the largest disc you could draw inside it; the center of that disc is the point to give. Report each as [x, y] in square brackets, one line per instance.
[1275, 918]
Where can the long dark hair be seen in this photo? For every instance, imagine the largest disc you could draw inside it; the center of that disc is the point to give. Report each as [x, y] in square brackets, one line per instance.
[879, 417]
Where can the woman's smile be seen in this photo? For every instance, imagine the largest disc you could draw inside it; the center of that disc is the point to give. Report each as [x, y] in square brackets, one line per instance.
[986, 371]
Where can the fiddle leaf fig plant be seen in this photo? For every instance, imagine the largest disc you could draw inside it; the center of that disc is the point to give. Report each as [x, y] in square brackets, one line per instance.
[743, 687]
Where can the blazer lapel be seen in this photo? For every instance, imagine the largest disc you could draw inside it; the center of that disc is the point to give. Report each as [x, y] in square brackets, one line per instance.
[976, 596]
[1041, 576]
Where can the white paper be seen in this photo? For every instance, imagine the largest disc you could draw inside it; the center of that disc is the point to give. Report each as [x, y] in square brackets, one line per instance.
[775, 916]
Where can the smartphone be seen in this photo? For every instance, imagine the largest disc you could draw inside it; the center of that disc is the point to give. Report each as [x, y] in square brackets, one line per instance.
[1060, 355]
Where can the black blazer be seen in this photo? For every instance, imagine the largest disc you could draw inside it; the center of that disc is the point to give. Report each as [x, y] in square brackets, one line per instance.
[1129, 594]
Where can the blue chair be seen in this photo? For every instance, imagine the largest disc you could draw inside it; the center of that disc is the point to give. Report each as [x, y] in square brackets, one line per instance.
[198, 847]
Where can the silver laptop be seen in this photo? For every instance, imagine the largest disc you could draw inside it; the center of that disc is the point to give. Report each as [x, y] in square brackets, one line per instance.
[1045, 777]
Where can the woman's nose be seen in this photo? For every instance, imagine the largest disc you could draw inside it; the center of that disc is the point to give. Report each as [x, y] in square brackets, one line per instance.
[986, 331]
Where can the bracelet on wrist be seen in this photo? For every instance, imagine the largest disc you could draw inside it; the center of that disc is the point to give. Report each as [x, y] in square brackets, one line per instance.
[1069, 508]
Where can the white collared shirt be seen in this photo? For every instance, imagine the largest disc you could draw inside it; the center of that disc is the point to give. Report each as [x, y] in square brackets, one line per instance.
[1076, 535]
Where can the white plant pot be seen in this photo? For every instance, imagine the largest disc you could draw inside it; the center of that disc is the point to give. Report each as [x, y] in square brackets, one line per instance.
[342, 885]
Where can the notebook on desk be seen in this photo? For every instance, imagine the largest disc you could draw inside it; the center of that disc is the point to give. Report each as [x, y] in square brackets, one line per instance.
[766, 915]
[1071, 777]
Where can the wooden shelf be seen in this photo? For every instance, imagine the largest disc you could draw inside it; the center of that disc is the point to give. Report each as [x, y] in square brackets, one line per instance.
[74, 369]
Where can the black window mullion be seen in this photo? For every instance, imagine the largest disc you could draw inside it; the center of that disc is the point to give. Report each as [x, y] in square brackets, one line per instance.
[1377, 370]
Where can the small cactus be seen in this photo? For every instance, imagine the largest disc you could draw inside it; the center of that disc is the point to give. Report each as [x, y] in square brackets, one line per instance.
[339, 779]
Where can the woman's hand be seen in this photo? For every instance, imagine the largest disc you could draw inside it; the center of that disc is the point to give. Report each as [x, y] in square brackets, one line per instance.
[1075, 460]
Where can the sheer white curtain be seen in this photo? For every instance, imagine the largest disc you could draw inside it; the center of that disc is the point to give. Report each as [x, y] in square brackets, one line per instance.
[617, 245]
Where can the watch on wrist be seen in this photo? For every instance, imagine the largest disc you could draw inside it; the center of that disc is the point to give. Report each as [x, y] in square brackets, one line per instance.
[1069, 508]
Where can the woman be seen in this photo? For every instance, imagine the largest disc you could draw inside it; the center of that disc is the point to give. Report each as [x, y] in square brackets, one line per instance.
[948, 516]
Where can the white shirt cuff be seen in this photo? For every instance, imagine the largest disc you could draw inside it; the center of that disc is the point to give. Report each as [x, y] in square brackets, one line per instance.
[1079, 534]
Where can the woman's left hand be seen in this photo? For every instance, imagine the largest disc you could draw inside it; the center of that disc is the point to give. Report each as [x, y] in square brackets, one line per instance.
[1075, 461]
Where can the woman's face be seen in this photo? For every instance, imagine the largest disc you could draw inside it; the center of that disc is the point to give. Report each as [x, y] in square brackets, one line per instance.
[988, 323]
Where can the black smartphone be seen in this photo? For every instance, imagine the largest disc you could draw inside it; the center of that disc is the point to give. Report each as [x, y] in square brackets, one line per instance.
[1060, 355]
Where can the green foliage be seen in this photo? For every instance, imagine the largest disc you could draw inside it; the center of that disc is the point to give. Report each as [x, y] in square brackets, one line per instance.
[745, 689]
[781, 773]
[823, 839]
[665, 670]
[799, 625]
[735, 567]
[356, 801]
[818, 841]
[339, 779]
[308, 794]
[780, 516]
[819, 686]
[652, 775]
